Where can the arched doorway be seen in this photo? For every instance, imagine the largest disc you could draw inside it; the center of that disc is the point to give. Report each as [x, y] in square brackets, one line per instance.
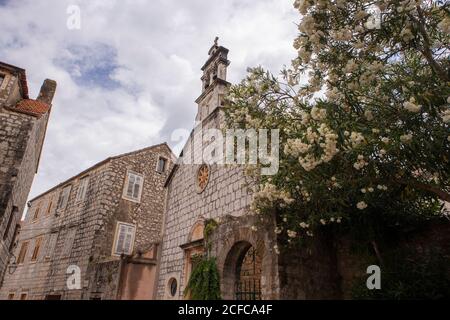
[242, 272]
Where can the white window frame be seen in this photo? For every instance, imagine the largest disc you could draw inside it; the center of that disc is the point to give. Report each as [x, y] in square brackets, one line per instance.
[82, 189]
[165, 164]
[64, 197]
[126, 185]
[115, 251]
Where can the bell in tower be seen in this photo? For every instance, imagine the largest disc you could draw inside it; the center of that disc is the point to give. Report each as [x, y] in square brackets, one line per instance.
[214, 80]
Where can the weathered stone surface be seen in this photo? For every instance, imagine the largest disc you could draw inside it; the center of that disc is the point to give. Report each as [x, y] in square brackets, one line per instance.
[21, 140]
[94, 221]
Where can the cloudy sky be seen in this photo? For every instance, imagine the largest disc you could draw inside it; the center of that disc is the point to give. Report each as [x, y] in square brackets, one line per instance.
[129, 76]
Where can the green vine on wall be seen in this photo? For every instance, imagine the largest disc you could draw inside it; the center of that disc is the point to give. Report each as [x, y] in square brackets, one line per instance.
[204, 282]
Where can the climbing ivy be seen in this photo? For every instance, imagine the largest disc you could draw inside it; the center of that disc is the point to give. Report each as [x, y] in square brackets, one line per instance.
[204, 283]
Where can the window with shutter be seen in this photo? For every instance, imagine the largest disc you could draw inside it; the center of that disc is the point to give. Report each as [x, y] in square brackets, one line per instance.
[37, 248]
[14, 211]
[22, 253]
[51, 245]
[64, 197]
[50, 205]
[124, 239]
[82, 189]
[133, 187]
[36, 212]
[68, 243]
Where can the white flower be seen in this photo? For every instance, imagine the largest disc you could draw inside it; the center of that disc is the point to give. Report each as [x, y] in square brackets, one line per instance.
[254, 228]
[304, 225]
[381, 187]
[363, 190]
[338, 220]
[375, 130]
[361, 205]
[291, 234]
[277, 250]
[278, 230]
[322, 221]
[318, 114]
[406, 34]
[356, 139]
[332, 219]
[406, 138]
[368, 114]
[370, 189]
[351, 66]
[385, 140]
[383, 152]
[309, 233]
[446, 116]
[411, 106]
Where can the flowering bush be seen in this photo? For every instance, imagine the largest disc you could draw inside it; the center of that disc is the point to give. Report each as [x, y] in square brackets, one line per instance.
[364, 115]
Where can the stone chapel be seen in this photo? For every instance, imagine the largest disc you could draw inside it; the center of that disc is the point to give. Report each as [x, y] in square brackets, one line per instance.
[197, 192]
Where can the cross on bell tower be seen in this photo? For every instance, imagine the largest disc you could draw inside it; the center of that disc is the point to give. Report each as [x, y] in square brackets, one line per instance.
[214, 81]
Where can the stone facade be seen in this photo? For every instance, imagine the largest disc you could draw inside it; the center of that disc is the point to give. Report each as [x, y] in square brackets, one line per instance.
[226, 197]
[23, 123]
[82, 231]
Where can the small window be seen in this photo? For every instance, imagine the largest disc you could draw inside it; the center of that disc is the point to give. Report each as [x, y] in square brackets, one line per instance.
[37, 249]
[11, 296]
[173, 286]
[162, 162]
[22, 252]
[124, 239]
[36, 212]
[133, 186]
[64, 197]
[13, 243]
[2, 77]
[50, 206]
[82, 189]
[14, 212]
[24, 296]
[51, 245]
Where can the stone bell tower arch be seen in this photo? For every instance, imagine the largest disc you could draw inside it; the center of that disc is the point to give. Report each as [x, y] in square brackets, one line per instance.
[214, 81]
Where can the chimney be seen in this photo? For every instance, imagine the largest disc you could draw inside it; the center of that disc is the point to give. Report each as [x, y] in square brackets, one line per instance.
[47, 91]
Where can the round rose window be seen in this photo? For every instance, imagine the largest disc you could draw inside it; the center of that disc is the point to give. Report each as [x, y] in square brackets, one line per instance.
[202, 177]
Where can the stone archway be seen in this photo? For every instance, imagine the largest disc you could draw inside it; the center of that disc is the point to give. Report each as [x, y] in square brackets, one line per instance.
[232, 243]
[242, 272]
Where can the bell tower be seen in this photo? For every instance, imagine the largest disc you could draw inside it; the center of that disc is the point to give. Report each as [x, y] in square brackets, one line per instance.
[214, 81]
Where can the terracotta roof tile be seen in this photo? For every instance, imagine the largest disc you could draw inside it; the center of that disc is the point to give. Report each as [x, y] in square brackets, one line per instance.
[33, 107]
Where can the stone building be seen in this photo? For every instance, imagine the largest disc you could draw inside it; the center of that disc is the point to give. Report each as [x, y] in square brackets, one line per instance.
[199, 191]
[104, 224]
[23, 123]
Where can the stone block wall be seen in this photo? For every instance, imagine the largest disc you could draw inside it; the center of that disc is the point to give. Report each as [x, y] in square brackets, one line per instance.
[94, 222]
[21, 138]
[226, 194]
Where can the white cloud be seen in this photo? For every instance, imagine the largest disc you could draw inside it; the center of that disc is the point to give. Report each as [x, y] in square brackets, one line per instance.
[130, 76]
